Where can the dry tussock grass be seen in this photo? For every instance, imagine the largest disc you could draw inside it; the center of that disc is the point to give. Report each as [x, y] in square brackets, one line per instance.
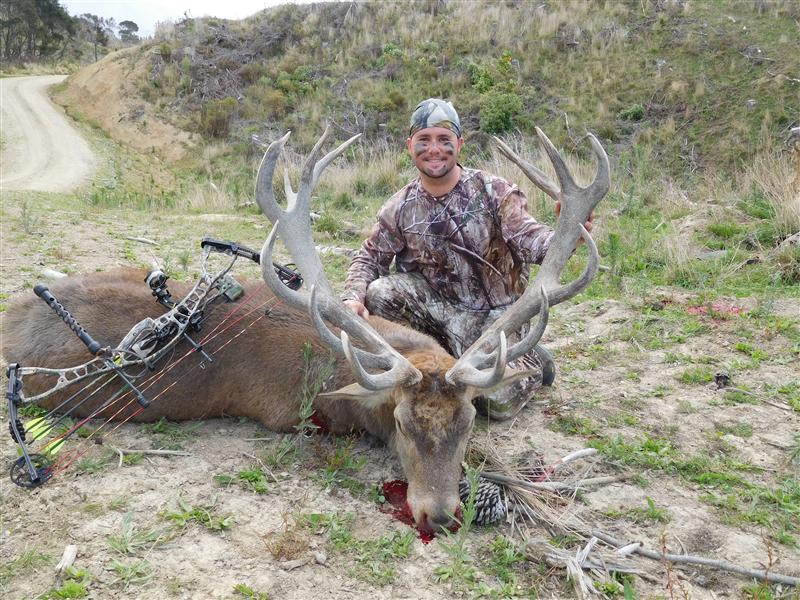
[775, 175]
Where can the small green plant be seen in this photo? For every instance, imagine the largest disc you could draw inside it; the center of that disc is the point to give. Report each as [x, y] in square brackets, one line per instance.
[652, 513]
[202, 515]
[27, 561]
[254, 479]
[95, 464]
[131, 539]
[696, 376]
[574, 425]
[170, 436]
[635, 112]
[74, 586]
[460, 572]
[135, 573]
[245, 591]
[340, 465]
[281, 454]
[315, 372]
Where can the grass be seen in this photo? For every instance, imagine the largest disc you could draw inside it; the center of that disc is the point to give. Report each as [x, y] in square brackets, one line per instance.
[339, 465]
[373, 559]
[245, 591]
[170, 436]
[204, 516]
[24, 563]
[722, 479]
[252, 479]
[134, 573]
[132, 540]
[75, 585]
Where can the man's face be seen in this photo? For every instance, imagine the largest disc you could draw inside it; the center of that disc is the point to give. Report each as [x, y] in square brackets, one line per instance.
[434, 150]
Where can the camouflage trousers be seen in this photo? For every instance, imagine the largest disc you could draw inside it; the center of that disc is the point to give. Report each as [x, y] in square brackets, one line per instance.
[409, 299]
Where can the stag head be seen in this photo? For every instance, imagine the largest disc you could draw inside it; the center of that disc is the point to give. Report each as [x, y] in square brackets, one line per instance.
[419, 400]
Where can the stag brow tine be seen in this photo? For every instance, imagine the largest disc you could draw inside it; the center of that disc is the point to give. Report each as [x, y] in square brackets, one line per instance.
[536, 175]
[375, 383]
[564, 178]
[471, 375]
[265, 196]
[372, 360]
[535, 333]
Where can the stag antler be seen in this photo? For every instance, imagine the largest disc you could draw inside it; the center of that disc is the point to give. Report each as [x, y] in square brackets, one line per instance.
[577, 204]
[294, 227]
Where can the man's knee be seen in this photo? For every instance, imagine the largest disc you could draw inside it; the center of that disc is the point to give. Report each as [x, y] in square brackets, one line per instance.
[395, 291]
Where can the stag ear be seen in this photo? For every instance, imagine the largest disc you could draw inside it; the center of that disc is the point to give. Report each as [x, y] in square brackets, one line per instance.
[354, 392]
[510, 376]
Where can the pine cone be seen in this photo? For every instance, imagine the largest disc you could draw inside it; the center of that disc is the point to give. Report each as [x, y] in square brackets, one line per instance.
[490, 505]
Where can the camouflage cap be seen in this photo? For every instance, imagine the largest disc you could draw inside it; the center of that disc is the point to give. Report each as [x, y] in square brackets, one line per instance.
[435, 112]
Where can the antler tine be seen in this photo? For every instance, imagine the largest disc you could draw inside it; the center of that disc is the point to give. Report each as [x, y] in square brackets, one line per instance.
[329, 157]
[294, 227]
[465, 373]
[399, 373]
[564, 177]
[264, 192]
[576, 205]
[291, 297]
[302, 202]
[380, 359]
[536, 175]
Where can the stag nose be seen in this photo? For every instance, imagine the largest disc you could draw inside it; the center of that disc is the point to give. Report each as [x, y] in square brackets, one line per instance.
[435, 521]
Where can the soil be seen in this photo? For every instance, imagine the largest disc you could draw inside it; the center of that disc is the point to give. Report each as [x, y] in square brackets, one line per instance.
[88, 508]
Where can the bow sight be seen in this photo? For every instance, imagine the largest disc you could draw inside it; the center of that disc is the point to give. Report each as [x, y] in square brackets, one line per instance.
[145, 345]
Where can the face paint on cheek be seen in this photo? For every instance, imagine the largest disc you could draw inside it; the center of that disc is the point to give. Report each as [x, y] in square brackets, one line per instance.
[420, 148]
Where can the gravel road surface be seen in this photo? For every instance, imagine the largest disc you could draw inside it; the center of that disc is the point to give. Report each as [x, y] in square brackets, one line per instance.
[41, 150]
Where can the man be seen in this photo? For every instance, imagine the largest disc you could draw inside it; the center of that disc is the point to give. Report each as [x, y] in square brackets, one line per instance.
[462, 242]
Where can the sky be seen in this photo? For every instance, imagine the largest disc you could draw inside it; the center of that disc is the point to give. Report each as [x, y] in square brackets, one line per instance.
[146, 13]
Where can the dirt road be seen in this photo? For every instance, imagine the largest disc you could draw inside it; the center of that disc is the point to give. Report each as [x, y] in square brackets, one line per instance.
[41, 149]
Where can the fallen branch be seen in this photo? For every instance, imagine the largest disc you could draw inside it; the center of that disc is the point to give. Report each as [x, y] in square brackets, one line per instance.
[123, 451]
[141, 240]
[722, 565]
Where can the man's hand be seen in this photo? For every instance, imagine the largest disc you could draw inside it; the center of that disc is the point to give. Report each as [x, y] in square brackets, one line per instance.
[357, 308]
[587, 225]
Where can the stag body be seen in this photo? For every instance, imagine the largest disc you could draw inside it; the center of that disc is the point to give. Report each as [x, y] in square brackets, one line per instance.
[396, 383]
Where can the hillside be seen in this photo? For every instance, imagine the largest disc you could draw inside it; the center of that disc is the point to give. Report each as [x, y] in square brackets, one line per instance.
[695, 84]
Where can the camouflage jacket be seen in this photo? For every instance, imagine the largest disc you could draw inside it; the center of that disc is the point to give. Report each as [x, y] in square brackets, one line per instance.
[474, 246]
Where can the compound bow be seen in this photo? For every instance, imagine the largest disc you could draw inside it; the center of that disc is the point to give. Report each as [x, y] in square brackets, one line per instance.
[145, 345]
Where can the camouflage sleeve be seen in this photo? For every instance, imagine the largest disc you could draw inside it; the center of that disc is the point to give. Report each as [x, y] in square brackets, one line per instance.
[527, 238]
[375, 256]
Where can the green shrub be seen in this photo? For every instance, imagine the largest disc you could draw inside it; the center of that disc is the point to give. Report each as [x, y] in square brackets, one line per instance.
[215, 118]
[632, 113]
[165, 49]
[499, 112]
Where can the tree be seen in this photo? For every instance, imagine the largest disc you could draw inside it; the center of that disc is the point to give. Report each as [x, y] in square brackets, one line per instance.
[33, 29]
[127, 32]
[96, 30]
